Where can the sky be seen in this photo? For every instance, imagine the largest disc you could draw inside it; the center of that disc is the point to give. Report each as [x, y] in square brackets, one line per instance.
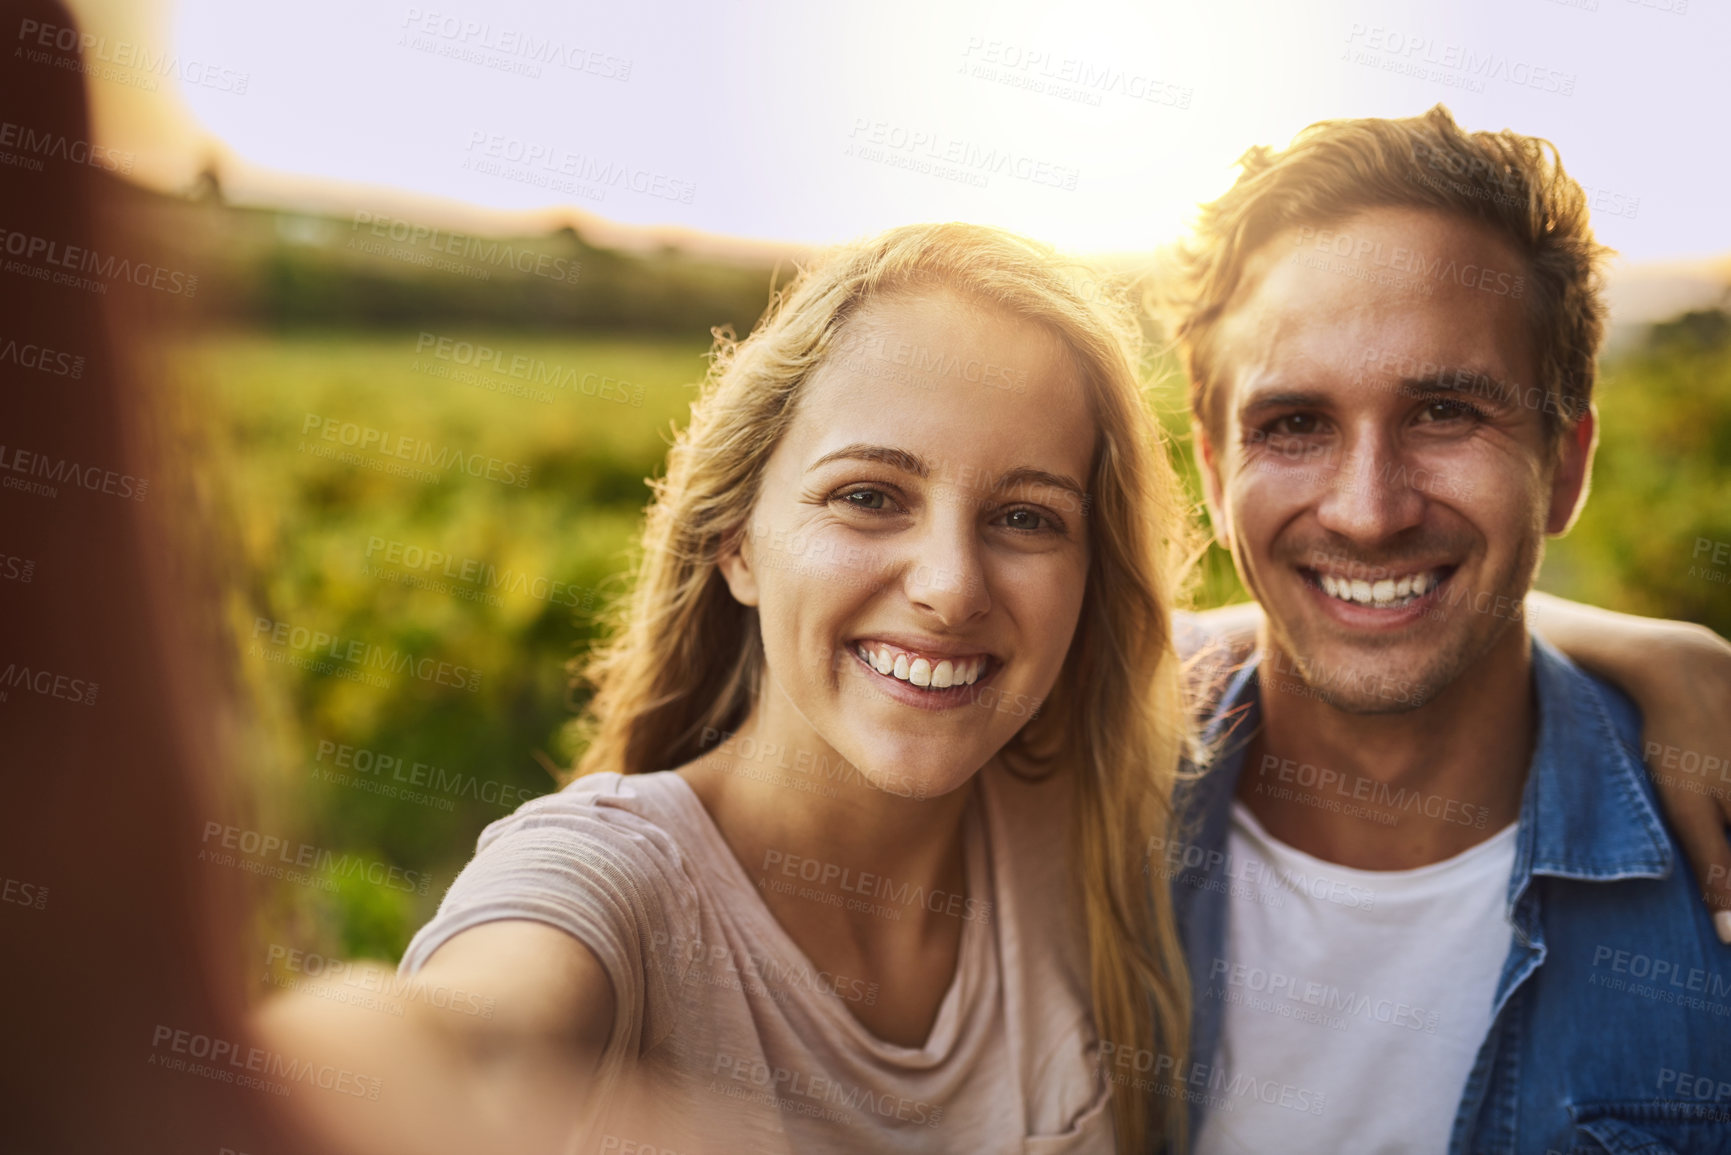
[1092, 124]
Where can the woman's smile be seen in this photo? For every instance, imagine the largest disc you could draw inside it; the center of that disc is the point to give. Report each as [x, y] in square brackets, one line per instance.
[926, 676]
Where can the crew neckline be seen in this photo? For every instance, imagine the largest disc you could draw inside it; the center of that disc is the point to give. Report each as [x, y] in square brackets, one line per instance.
[1499, 843]
[972, 954]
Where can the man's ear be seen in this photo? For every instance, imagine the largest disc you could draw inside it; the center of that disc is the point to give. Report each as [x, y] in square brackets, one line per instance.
[735, 565]
[1573, 475]
[1207, 464]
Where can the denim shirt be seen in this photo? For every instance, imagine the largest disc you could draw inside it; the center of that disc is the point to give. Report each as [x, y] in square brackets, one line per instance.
[1611, 1026]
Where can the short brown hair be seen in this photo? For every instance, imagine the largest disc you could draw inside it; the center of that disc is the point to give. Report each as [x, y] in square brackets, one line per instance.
[1514, 185]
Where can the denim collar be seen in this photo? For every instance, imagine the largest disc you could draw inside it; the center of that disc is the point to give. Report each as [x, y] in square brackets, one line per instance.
[1585, 811]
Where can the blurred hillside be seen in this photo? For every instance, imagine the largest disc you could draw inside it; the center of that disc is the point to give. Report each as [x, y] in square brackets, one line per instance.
[274, 268]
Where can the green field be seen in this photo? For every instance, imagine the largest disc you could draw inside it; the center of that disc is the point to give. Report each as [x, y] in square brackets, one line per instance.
[405, 637]
[352, 576]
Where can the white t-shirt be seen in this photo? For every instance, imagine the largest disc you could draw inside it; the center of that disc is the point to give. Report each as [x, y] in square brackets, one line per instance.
[1355, 1000]
[732, 1039]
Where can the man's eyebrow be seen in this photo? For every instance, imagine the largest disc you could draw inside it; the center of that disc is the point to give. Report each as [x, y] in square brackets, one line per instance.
[1447, 379]
[1452, 379]
[860, 451]
[1282, 399]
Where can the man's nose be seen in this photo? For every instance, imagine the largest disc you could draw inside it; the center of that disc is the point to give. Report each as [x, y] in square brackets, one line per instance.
[1372, 493]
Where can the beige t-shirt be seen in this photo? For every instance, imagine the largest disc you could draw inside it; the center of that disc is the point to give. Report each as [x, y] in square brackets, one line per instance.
[740, 1043]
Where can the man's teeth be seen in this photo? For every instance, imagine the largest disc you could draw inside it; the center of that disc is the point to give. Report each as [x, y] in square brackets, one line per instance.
[1383, 594]
[921, 671]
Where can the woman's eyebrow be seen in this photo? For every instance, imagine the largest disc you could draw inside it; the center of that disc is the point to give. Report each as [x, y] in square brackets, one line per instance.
[1022, 477]
[859, 451]
[1027, 477]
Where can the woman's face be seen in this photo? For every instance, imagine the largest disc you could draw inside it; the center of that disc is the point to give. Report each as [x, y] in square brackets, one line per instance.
[919, 547]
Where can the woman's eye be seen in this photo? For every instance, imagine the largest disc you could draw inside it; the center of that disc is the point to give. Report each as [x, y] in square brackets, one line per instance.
[872, 499]
[1026, 519]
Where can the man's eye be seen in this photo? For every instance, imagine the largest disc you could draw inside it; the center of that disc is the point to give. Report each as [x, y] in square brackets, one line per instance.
[1294, 425]
[1449, 411]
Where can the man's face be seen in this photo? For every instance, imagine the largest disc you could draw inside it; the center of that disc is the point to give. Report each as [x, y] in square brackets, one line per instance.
[1378, 464]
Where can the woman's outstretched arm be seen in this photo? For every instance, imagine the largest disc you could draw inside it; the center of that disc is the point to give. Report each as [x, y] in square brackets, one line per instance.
[453, 1081]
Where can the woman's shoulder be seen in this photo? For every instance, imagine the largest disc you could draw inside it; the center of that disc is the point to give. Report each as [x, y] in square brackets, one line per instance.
[630, 834]
[655, 791]
[605, 858]
[603, 805]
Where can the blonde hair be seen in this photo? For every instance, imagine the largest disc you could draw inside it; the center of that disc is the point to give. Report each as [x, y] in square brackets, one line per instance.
[685, 658]
[1513, 185]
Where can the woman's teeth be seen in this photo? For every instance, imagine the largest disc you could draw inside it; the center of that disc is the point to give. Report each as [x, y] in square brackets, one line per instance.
[1388, 593]
[918, 671]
